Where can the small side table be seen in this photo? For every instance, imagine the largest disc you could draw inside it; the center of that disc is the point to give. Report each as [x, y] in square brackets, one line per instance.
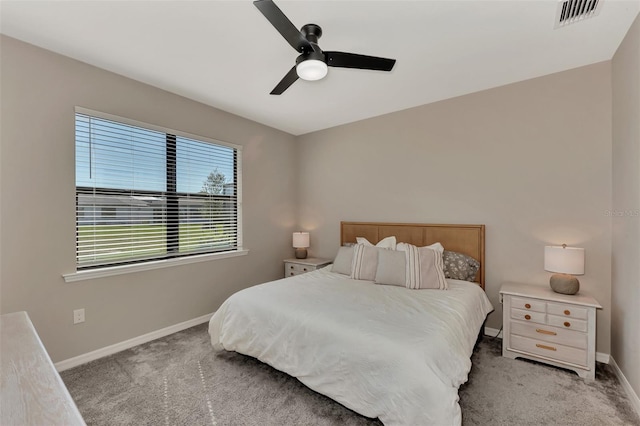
[300, 266]
[549, 327]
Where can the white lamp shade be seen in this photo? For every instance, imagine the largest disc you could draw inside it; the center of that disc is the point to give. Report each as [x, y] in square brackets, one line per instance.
[564, 260]
[311, 70]
[300, 239]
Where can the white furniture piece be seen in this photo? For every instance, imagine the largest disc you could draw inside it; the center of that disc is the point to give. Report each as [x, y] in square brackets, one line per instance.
[31, 390]
[300, 266]
[549, 327]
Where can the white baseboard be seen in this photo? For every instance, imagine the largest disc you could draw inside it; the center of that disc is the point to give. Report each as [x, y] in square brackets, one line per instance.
[603, 358]
[631, 394]
[492, 332]
[121, 346]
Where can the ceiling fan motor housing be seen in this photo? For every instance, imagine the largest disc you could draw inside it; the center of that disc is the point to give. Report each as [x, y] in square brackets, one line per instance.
[311, 32]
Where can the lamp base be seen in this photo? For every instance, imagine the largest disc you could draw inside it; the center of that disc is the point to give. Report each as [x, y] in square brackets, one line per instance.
[564, 284]
[301, 253]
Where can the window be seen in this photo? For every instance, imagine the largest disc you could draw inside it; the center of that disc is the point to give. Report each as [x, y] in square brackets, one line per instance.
[145, 193]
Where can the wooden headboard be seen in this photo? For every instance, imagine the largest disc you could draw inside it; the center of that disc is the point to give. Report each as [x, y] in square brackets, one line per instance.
[467, 239]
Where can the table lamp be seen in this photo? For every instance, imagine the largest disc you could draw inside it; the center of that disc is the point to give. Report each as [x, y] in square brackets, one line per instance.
[300, 243]
[565, 262]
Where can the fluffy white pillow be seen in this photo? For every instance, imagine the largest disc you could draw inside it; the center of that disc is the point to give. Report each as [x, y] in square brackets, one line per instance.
[385, 243]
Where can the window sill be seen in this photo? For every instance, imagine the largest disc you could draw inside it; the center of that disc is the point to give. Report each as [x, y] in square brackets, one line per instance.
[138, 267]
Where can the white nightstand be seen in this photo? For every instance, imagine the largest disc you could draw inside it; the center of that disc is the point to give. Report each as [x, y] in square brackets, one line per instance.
[549, 327]
[300, 266]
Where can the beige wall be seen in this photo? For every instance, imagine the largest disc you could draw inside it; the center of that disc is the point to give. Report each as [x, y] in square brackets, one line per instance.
[39, 92]
[625, 291]
[531, 161]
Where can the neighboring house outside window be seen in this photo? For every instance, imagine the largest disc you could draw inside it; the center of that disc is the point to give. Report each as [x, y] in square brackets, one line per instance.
[145, 193]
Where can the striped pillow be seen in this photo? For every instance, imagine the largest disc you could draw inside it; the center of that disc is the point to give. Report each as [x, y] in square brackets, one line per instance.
[364, 263]
[424, 268]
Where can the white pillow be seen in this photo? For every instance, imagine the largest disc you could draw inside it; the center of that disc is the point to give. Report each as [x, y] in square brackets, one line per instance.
[385, 243]
[343, 261]
[434, 246]
[391, 268]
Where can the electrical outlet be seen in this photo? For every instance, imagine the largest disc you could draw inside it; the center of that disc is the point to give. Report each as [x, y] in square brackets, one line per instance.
[78, 316]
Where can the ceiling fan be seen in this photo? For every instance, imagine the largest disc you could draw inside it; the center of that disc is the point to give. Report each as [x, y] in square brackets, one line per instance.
[312, 62]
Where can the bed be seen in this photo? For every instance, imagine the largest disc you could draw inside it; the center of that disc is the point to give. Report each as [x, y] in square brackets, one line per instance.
[384, 351]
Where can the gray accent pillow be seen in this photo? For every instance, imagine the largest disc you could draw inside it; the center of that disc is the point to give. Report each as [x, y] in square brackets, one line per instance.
[459, 266]
[343, 260]
[391, 268]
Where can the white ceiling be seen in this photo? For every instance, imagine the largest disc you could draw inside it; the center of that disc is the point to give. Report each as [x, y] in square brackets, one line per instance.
[227, 55]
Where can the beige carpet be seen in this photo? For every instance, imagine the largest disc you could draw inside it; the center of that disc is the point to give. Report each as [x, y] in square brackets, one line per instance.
[180, 380]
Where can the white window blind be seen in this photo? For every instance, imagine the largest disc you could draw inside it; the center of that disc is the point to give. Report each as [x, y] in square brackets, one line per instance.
[146, 193]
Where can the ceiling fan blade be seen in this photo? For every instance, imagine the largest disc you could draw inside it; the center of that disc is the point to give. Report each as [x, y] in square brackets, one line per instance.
[352, 60]
[287, 81]
[284, 26]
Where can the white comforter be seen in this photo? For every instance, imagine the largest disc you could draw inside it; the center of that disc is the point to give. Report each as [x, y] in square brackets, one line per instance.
[382, 351]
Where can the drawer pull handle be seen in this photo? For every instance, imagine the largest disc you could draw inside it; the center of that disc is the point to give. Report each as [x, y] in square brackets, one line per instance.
[527, 317]
[567, 324]
[292, 273]
[551, 333]
[528, 306]
[549, 348]
[567, 312]
[291, 266]
[304, 269]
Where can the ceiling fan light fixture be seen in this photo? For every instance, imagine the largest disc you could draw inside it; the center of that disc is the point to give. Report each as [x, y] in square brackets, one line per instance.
[311, 70]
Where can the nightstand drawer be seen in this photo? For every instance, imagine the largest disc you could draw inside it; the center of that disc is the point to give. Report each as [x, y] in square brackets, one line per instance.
[295, 269]
[550, 334]
[567, 310]
[549, 350]
[528, 304]
[529, 316]
[568, 323]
